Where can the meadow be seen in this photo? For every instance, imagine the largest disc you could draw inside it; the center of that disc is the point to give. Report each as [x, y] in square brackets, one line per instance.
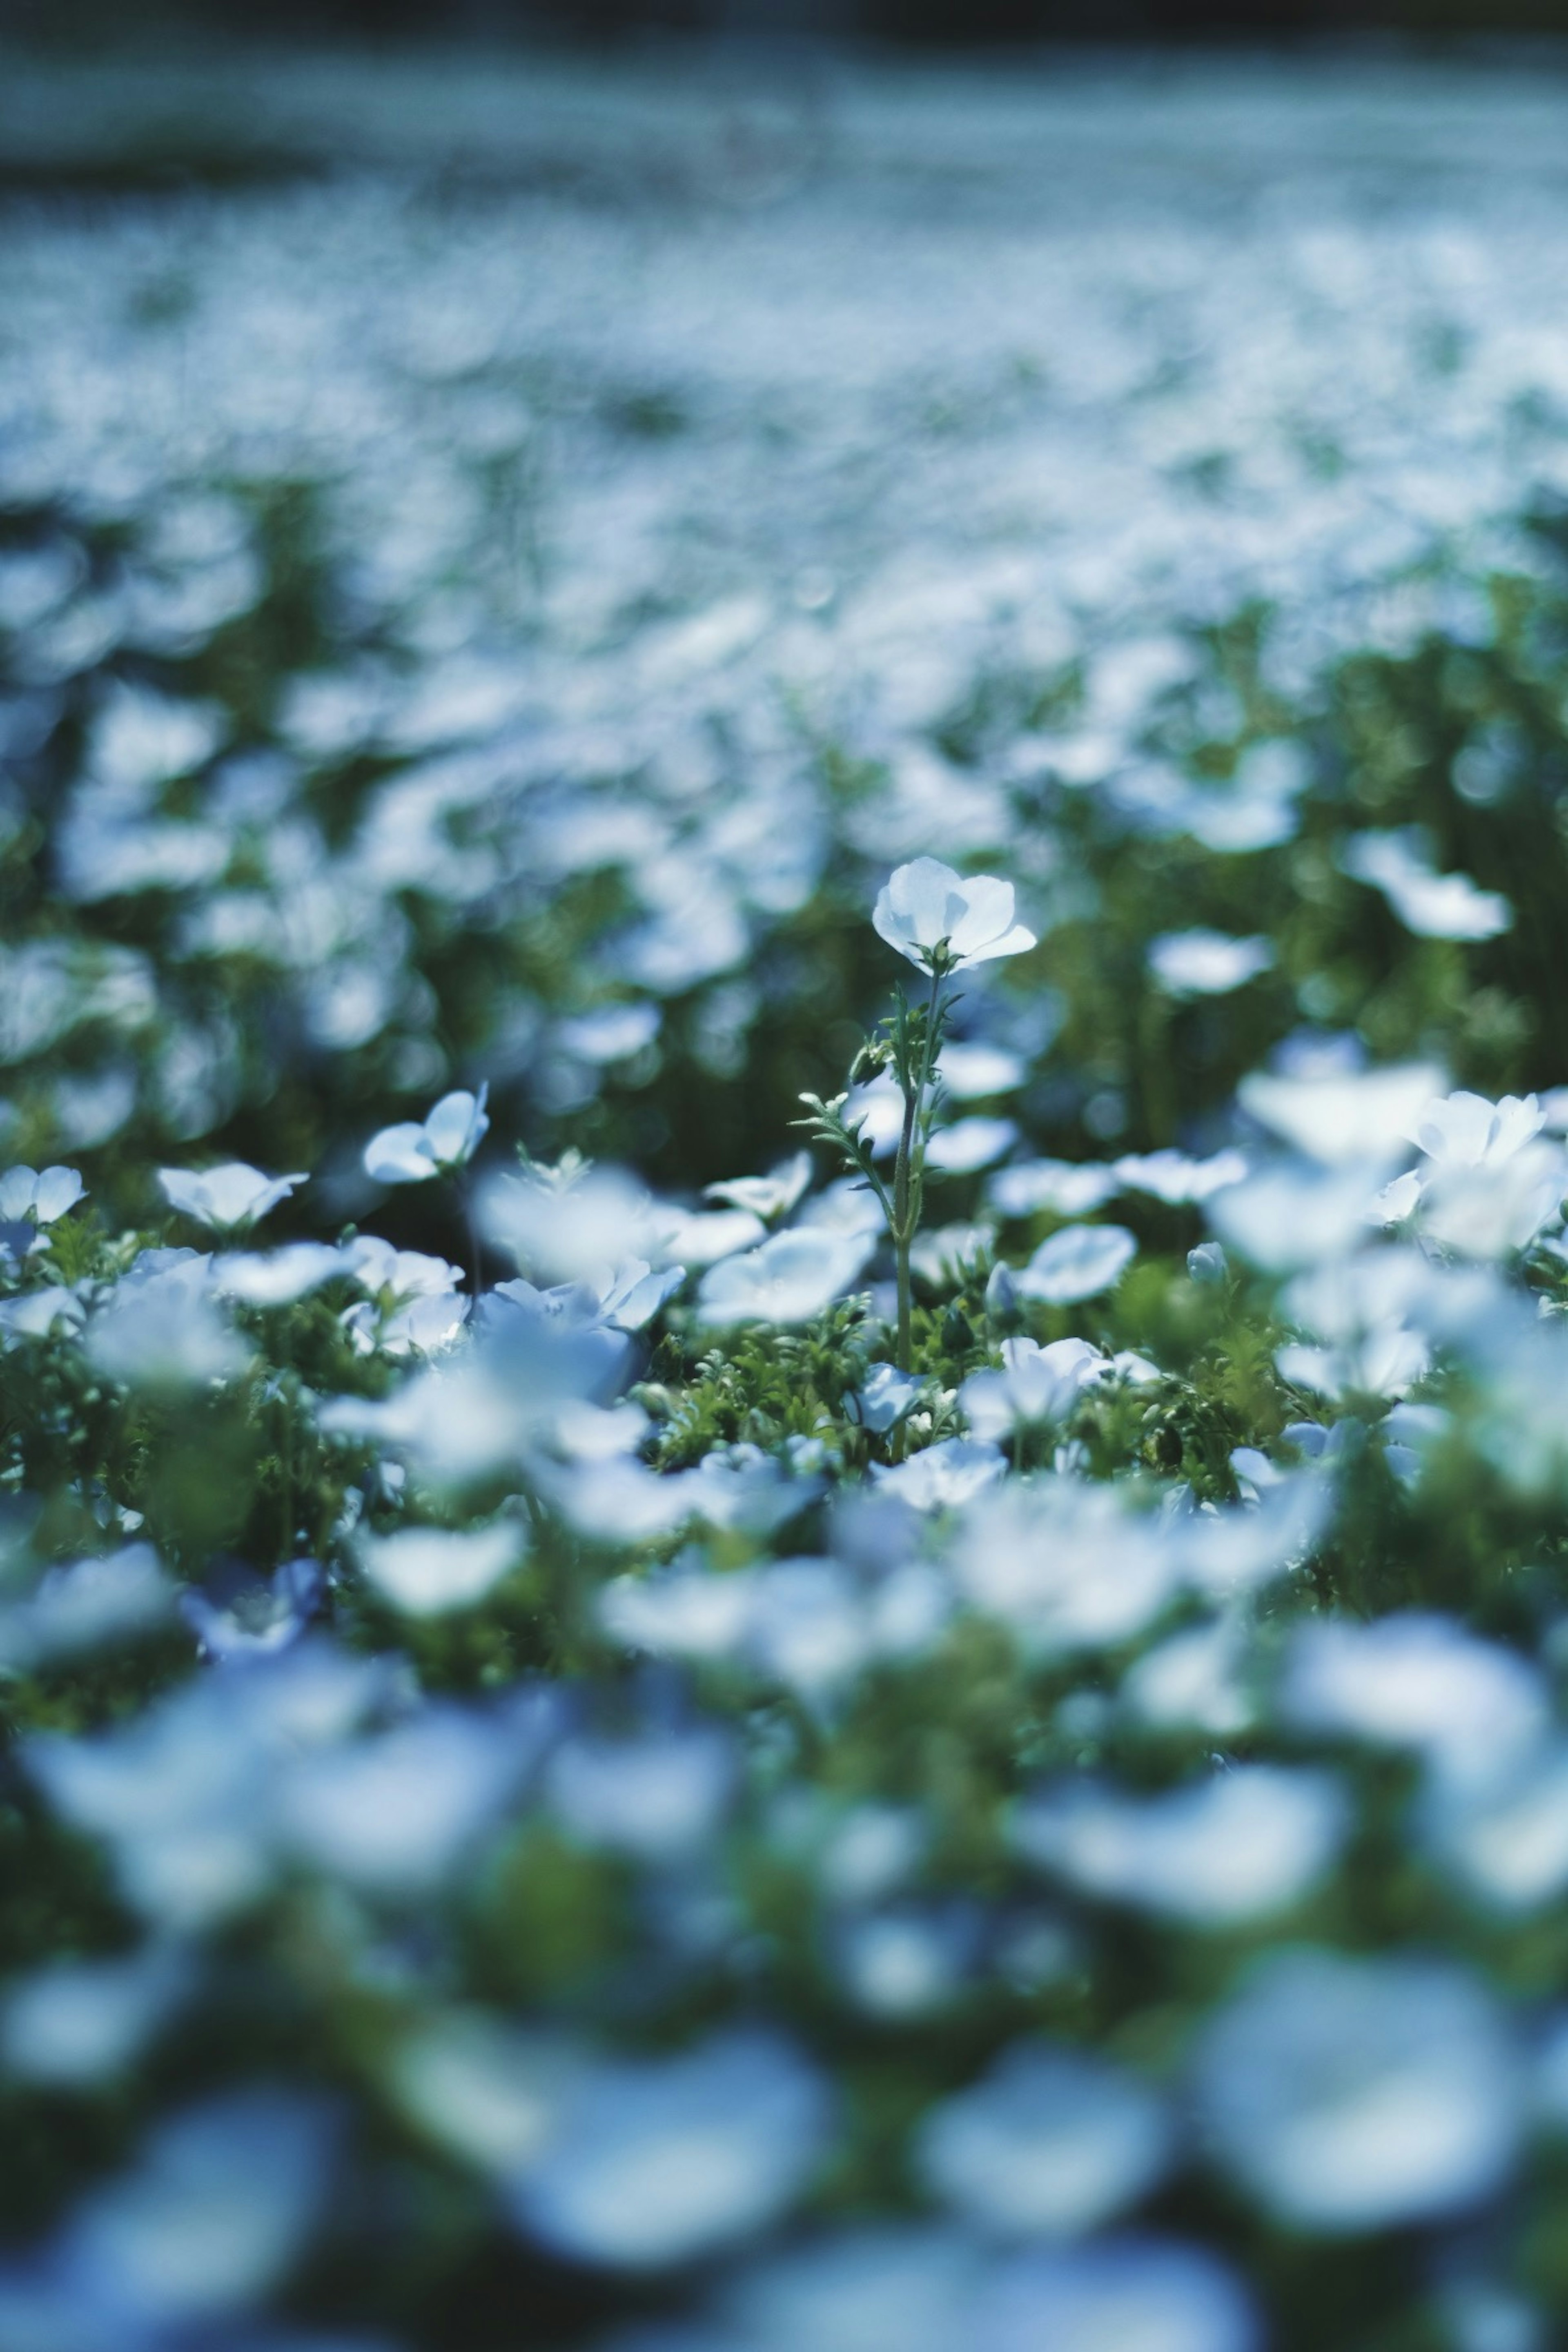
[783, 1123]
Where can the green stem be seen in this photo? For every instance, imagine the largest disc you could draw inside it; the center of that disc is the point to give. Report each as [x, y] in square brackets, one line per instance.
[476, 1261]
[907, 1185]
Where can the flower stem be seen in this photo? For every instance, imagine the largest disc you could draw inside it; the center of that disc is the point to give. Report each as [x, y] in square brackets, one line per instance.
[908, 1185]
[476, 1261]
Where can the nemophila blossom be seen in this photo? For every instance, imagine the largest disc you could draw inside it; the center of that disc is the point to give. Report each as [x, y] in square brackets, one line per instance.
[1207, 963]
[1433, 906]
[237, 1616]
[78, 2023]
[1036, 1386]
[1489, 1178]
[1347, 2095]
[943, 922]
[439, 1144]
[789, 1279]
[1217, 1852]
[227, 1198]
[943, 1476]
[971, 1144]
[1077, 1263]
[886, 1395]
[164, 1334]
[38, 1197]
[658, 1798]
[1066, 1565]
[90, 1604]
[1051, 2143]
[658, 2161]
[277, 1277]
[1341, 1118]
[770, 1196]
[429, 1571]
[1111, 2294]
[623, 1298]
[215, 2210]
[1067, 1188]
[1172, 1177]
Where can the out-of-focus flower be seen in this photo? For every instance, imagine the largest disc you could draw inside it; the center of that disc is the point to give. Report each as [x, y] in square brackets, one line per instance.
[1433, 906]
[1342, 1117]
[1349, 2094]
[416, 1149]
[425, 1571]
[938, 919]
[161, 1331]
[277, 1277]
[90, 1604]
[80, 2023]
[943, 1476]
[886, 1395]
[1115, 2293]
[658, 2161]
[770, 1196]
[227, 1198]
[1077, 1263]
[1035, 1387]
[1207, 963]
[789, 1279]
[38, 1197]
[1052, 2142]
[970, 1144]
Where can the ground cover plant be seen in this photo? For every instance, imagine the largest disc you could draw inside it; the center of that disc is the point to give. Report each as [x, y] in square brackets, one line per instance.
[784, 1353]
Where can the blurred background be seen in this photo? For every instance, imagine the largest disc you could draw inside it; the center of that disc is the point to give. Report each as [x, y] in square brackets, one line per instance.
[944, 21]
[503, 541]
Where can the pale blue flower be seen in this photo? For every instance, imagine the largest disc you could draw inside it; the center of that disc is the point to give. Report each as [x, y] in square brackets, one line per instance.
[932, 915]
[660, 2161]
[417, 1149]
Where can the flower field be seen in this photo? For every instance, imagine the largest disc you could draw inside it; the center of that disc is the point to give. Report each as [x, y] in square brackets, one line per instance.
[783, 1131]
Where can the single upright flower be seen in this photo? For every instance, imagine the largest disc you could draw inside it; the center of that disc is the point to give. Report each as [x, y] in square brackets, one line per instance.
[942, 922]
[229, 1198]
[416, 1149]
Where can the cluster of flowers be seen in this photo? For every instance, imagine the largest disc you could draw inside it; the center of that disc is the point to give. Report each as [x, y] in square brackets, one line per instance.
[515, 1659]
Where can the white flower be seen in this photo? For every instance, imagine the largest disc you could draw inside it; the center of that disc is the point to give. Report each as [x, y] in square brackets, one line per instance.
[1207, 963]
[972, 1070]
[424, 1571]
[1489, 1179]
[226, 1197]
[376, 1267]
[934, 916]
[1067, 1188]
[42, 1197]
[1215, 1853]
[1343, 1116]
[277, 1277]
[1035, 1385]
[1051, 2142]
[1077, 1263]
[943, 1476]
[769, 1196]
[970, 1143]
[788, 1280]
[661, 2160]
[1433, 906]
[1463, 1130]
[414, 1151]
[1356, 2094]
[1172, 1177]
[887, 1395]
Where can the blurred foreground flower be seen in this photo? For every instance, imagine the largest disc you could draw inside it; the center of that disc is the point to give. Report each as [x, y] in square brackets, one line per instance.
[227, 1198]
